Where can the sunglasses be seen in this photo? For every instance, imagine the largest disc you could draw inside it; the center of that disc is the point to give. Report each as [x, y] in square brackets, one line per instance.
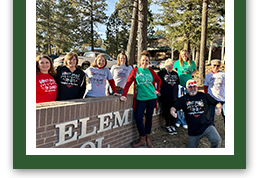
[216, 65]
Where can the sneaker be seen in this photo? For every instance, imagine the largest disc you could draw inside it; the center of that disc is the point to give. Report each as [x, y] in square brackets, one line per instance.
[185, 126]
[177, 125]
[174, 130]
[169, 130]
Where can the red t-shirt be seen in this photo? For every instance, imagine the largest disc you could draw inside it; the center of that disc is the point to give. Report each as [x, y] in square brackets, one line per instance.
[46, 88]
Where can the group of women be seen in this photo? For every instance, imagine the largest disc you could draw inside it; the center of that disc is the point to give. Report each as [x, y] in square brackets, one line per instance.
[69, 82]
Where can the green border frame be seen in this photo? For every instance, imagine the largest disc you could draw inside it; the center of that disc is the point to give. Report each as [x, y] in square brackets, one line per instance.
[23, 161]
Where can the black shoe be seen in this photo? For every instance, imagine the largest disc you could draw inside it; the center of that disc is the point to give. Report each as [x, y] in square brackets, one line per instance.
[169, 130]
[173, 130]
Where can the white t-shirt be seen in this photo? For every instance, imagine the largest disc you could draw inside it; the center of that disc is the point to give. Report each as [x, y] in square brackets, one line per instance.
[97, 81]
[216, 85]
[120, 74]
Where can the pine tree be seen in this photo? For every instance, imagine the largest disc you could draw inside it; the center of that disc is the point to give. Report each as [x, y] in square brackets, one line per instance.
[91, 13]
[203, 41]
[131, 47]
[182, 21]
[142, 27]
[45, 25]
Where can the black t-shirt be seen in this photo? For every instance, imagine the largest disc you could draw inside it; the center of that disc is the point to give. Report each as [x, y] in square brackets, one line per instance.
[71, 85]
[197, 111]
[169, 85]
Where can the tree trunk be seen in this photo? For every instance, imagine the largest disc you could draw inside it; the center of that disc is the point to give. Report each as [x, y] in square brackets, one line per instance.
[193, 54]
[197, 59]
[172, 51]
[131, 47]
[187, 45]
[223, 50]
[92, 27]
[142, 27]
[210, 51]
[203, 41]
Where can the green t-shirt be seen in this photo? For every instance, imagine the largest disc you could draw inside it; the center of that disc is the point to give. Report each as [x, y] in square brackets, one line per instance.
[185, 71]
[145, 88]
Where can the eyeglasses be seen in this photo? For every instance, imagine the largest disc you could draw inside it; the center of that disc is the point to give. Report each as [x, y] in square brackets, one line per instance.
[216, 65]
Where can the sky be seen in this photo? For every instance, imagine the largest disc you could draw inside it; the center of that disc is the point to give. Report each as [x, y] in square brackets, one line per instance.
[110, 9]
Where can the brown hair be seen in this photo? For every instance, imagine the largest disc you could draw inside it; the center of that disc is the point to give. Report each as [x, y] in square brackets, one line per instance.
[51, 71]
[94, 64]
[145, 53]
[188, 58]
[69, 56]
[119, 57]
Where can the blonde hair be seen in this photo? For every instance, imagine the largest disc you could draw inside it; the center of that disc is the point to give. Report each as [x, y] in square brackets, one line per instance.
[94, 64]
[188, 58]
[69, 56]
[119, 57]
[51, 71]
[168, 61]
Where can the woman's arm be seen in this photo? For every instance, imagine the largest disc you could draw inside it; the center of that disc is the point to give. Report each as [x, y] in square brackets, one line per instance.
[130, 79]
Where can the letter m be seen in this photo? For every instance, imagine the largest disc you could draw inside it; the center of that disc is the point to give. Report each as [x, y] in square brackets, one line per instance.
[118, 120]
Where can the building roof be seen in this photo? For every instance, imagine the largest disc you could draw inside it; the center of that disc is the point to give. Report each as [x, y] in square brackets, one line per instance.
[160, 48]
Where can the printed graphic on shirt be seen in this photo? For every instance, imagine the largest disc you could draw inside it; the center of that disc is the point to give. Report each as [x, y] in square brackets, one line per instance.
[195, 108]
[170, 79]
[70, 79]
[48, 85]
[144, 79]
[98, 78]
[185, 69]
[121, 73]
[216, 82]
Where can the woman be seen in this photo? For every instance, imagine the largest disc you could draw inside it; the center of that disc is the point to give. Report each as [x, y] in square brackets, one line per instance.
[185, 68]
[98, 75]
[70, 79]
[214, 84]
[46, 87]
[145, 97]
[120, 72]
[169, 94]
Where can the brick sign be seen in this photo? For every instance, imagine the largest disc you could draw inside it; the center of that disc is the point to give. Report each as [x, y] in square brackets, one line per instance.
[103, 122]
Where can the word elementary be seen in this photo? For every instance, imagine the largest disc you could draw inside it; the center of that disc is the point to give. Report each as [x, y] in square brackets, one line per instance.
[104, 125]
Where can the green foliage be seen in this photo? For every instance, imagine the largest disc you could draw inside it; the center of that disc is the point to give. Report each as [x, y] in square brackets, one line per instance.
[117, 34]
[182, 20]
[62, 25]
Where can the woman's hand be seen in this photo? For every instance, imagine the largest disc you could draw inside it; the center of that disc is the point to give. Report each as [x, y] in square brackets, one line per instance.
[157, 93]
[123, 98]
[116, 94]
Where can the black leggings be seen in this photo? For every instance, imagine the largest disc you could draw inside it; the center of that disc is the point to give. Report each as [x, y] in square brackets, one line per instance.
[165, 107]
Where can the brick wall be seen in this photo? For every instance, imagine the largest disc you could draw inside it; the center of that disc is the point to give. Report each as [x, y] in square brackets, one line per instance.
[87, 123]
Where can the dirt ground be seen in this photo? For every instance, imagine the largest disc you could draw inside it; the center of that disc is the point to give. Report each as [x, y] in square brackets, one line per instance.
[161, 139]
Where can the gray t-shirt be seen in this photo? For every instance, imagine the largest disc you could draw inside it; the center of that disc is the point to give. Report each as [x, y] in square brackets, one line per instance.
[120, 74]
[97, 81]
[216, 85]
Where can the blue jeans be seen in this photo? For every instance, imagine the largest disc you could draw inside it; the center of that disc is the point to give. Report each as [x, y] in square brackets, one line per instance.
[180, 115]
[140, 108]
[212, 112]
